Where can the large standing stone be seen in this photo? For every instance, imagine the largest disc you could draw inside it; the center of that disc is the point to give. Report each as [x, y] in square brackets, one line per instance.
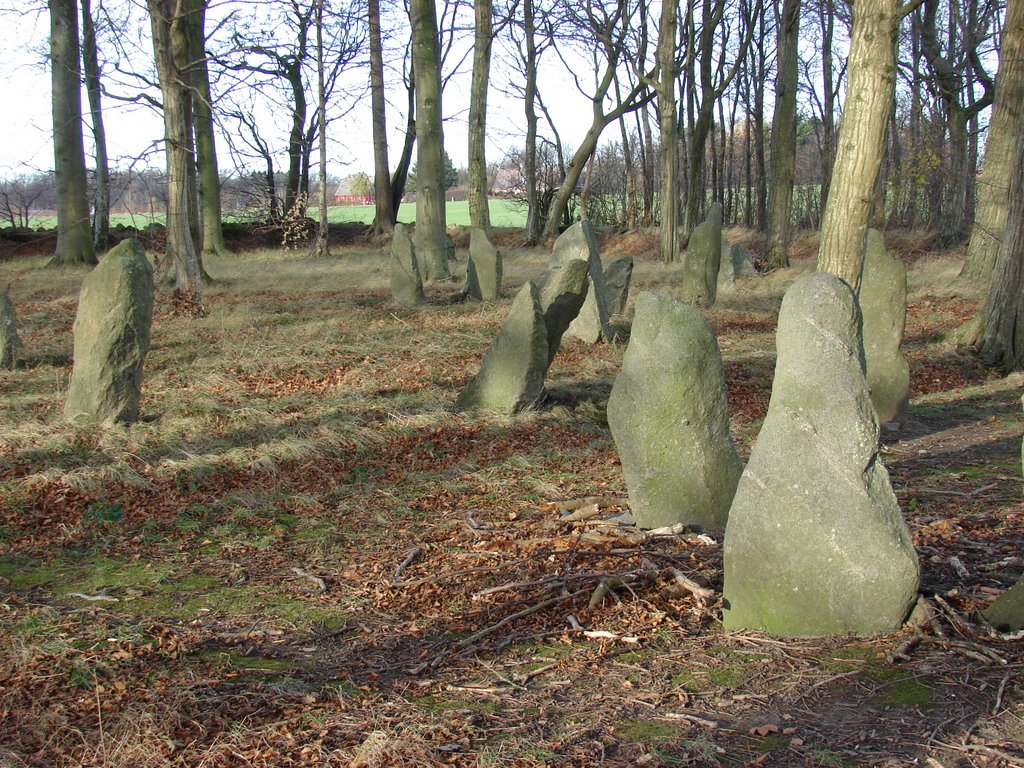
[111, 331]
[9, 341]
[580, 242]
[616, 284]
[883, 305]
[815, 543]
[512, 375]
[406, 283]
[561, 300]
[702, 259]
[667, 412]
[483, 272]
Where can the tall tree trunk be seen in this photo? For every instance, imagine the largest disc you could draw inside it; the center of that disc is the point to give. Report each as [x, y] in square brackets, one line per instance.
[869, 92]
[212, 238]
[1003, 315]
[668, 129]
[534, 214]
[297, 151]
[780, 195]
[401, 174]
[998, 170]
[385, 210]
[74, 239]
[322, 246]
[479, 214]
[91, 70]
[827, 19]
[171, 47]
[431, 242]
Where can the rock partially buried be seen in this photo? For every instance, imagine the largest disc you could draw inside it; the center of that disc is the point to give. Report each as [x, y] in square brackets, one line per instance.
[815, 543]
[667, 412]
[702, 259]
[115, 309]
[883, 305]
[9, 341]
[483, 272]
[511, 377]
[561, 299]
[406, 284]
[616, 284]
[580, 242]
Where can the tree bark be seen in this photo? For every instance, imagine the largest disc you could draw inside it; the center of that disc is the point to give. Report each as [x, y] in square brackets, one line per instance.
[74, 239]
[534, 215]
[171, 47]
[322, 246]
[780, 195]
[668, 128]
[479, 214]
[384, 218]
[998, 170]
[869, 92]
[206, 147]
[431, 241]
[91, 70]
[1003, 315]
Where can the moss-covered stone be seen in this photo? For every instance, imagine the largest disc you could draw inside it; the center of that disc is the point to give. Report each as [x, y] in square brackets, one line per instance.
[815, 543]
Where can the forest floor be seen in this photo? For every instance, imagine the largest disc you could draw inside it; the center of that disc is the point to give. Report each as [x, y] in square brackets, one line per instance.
[302, 556]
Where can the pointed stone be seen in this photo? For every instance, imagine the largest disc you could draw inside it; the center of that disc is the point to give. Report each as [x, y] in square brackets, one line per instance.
[115, 309]
[616, 284]
[406, 284]
[815, 543]
[883, 305]
[9, 341]
[580, 242]
[483, 272]
[511, 377]
[561, 300]
[702, 259]
[668, 415]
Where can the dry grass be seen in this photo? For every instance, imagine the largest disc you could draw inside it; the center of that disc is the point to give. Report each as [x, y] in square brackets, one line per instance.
[304, 423]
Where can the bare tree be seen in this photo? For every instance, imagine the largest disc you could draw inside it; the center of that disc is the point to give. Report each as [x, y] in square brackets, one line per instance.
[74, 239]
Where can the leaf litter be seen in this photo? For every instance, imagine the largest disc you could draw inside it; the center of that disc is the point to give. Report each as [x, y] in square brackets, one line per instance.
[457, 591]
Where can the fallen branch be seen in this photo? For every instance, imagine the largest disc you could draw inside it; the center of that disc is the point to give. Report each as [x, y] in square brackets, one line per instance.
[586, 501]
[685, 716]
[413, 554]
[581, 514]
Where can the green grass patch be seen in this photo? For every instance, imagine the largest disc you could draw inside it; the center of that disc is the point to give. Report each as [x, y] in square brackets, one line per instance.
[643, 731]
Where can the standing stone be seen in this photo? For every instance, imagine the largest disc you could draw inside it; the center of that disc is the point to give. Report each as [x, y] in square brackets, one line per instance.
[616, 284]
[883, 304]
[702, 259]
[9, 341]
[512, 375]
[736, 265]
[815, 543]
[111, 331]
[1006, 612]
[667, 412]
[580, 242]
[561, 300]
[406, 284]
[483, 273]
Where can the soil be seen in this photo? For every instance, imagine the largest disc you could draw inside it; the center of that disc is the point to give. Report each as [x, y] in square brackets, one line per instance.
[478, 633]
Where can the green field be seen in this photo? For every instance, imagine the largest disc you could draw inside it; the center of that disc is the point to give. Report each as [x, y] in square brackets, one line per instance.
[504, 213]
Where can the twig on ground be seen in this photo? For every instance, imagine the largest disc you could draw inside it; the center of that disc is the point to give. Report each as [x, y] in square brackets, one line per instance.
[321, 585]
[959, 567]
[587, 501]
[413, 554]
[94, 598]
[581, 514]
[691, 586]
[999, 694]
